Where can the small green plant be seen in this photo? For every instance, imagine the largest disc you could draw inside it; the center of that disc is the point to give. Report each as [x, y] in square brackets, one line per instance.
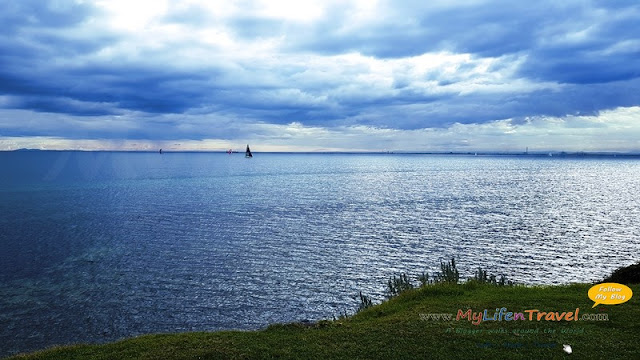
[423, 279]
[482, 277]
[365, 303]
[344, 315]
[504, 282]
[397, 285]
[448, 273]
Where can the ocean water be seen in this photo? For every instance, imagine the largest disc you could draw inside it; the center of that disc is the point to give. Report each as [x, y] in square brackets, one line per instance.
[98, 246]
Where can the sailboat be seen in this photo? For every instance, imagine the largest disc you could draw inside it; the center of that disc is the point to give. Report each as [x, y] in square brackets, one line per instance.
[247, 153]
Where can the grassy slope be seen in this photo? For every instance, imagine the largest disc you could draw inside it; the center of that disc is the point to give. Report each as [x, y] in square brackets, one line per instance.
[394, 330]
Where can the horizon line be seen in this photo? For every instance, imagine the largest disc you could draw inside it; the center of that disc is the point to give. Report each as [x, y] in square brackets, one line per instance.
[395, 152]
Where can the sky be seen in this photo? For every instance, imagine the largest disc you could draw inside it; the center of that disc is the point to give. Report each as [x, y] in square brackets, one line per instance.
[437, 75]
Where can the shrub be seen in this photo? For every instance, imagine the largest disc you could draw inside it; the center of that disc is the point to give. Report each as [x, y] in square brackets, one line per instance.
[448, 273]
[397, 285]
[482, 277]
[423, 279]
[365, 303]
[625, 275]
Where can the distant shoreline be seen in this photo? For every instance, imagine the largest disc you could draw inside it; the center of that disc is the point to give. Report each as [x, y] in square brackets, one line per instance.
[457, 153]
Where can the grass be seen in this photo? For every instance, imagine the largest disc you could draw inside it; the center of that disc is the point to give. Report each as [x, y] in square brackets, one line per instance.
[396, 329]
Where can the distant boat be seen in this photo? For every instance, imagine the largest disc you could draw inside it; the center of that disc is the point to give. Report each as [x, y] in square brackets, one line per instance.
[230, 151]
[160, 151]
[247, 153]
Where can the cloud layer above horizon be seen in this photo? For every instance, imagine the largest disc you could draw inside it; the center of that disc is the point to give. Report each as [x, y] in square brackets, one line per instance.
[320, 75]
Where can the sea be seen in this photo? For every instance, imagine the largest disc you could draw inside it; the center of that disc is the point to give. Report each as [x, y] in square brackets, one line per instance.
[100, 246]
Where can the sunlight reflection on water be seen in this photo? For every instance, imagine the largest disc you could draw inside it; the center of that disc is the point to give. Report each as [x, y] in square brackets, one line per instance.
[101, 246]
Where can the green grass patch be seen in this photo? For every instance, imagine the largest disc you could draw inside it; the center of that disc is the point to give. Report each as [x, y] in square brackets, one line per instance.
[399, 329]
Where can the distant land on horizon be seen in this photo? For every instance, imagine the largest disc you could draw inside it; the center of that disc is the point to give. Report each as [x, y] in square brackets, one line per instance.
[550, 153]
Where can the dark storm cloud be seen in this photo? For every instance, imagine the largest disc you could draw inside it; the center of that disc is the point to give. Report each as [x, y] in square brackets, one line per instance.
[127, 88]
[56, 104]
[140, 88]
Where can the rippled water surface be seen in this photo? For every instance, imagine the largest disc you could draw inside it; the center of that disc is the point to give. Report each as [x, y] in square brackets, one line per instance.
[100, 246]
